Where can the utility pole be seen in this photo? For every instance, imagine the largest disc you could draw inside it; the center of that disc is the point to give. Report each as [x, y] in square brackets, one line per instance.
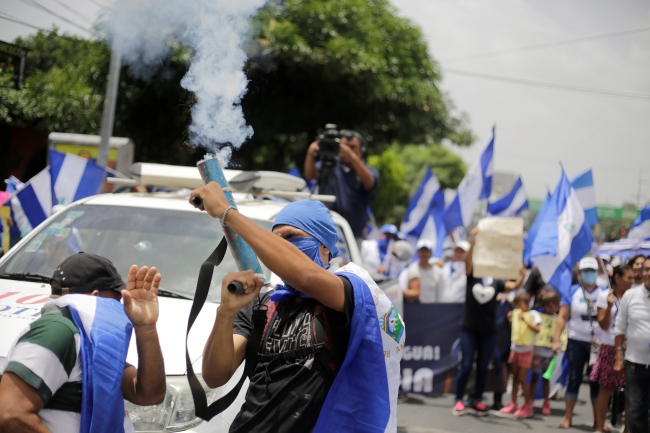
[638, 191]
[110, 99]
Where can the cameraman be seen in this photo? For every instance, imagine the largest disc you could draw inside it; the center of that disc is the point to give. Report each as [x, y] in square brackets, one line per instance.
[351, 181]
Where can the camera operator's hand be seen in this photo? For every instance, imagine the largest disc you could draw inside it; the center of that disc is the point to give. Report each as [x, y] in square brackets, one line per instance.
[346, 154]
[313, 149]
[214, 201]
[232, 302]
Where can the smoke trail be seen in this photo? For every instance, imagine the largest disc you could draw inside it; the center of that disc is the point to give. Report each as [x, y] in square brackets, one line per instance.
[214, 30]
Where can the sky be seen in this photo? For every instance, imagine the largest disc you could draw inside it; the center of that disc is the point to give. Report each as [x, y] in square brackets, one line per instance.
[537, 127]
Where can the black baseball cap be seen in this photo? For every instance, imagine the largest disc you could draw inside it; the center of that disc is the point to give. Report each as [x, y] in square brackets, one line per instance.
[84, 273]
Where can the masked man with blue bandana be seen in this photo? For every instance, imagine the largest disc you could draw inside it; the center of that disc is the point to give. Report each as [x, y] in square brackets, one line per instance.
[329, 356]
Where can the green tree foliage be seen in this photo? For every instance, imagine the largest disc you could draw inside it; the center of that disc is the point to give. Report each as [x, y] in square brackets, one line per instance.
[401, 169]
[350, 62]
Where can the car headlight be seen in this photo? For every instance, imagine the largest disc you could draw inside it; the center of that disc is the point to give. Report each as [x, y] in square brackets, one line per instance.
[175, 413]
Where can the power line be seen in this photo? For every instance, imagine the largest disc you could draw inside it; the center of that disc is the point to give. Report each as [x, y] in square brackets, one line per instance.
[97, 3]
[74, 11]
[543, 46]
[7, 17]
[536, 83]
[37, 5]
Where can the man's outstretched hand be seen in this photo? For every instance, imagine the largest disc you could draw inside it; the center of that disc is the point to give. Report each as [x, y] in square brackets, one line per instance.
[141, 296]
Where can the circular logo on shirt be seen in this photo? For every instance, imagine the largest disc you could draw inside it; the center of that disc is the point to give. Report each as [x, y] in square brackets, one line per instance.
[482, 294]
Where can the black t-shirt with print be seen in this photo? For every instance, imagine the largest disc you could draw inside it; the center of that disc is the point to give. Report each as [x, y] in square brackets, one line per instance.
[292, 401]
[480, 312]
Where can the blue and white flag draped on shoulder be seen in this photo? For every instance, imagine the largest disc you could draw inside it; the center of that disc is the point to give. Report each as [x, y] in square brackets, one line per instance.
[512, 204]
[641, 227]
[534, 229]
[36, 198]
[421, 204]
[476, 186]
[105, 332]
[363, 397]
[74, 177]
[564, 237]
[584, 187]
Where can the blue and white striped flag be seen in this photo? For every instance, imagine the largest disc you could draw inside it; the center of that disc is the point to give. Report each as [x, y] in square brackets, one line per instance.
[512, 204]
[434, 229]
[534, 229]
[564, 237]
[36, 198]
[477, 185]
[21, 224]
[584, 187]
[421, 204]
[641, 227]
[74, 177]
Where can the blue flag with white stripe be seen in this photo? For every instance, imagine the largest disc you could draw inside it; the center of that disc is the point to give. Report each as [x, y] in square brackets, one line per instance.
[476, 186]
[564, 237]
[532, 233]
[584, 187]
[512, 204]
[641, 227]
[421, 205]
[21, 224]
[36, 198]
[74, 177]
[434, 229]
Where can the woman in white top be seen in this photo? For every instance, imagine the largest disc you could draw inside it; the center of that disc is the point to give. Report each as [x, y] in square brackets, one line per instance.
[603, 372]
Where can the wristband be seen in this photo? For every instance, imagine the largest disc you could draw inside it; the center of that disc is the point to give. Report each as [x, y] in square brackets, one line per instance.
[619, 348]
[225, 213]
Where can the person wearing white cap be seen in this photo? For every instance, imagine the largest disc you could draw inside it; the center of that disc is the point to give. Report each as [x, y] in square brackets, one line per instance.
[454, 277]
[604, 270]
[578, 307]
[376, 253]
[424, 278]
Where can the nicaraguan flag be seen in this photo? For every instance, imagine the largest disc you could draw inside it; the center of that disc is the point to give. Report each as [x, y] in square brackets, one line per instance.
[36, 198]
[105, 332]
[584, 187]
[477, 185]
[532, 233]
[512, 204]
[421, 205]
[434, 229]
[74, 177]
[564, 237]
[641, 227]
[363, 397]
[21, 224]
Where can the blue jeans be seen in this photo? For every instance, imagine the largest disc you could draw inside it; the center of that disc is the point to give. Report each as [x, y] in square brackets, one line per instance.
[577, 352]
[637, 396]
[471, 342]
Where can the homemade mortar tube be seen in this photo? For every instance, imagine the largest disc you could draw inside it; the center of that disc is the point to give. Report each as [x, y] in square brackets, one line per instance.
[244, 256]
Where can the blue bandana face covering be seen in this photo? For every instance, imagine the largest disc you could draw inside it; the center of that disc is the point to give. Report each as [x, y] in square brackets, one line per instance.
[309, 247]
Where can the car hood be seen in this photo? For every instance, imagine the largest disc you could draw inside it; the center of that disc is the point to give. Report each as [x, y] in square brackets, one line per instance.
[21, 302]
[172, 326]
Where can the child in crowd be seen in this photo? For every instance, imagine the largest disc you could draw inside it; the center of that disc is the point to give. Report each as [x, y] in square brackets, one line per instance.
[549, 303]
[521, 357]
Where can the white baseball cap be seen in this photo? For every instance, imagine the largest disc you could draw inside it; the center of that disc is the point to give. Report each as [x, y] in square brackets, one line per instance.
[606, 257]
[463, 245]
[424, 243]
[403, 250]
[588, 263]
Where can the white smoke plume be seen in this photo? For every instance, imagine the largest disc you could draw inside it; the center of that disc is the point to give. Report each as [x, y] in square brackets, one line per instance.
[214, 30]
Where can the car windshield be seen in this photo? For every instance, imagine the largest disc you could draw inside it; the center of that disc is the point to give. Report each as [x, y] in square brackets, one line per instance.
[175, 242]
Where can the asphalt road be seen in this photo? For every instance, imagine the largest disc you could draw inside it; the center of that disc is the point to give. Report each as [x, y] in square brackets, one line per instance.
[421, 414]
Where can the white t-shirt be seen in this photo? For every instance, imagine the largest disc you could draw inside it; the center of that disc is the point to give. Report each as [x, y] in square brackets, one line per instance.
[606, 336]
[579, 324]
[537, 319]
[429, 281]
[454, 283]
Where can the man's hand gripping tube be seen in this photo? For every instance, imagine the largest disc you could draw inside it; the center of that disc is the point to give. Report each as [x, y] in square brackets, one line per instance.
[243, 254]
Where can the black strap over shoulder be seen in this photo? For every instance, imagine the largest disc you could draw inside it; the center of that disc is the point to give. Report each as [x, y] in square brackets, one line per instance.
[201, 407]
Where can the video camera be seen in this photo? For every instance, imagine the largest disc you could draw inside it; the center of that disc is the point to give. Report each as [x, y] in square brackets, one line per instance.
[329, 144]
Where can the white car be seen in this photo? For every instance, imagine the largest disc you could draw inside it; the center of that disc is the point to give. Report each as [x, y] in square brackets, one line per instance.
[156, 229]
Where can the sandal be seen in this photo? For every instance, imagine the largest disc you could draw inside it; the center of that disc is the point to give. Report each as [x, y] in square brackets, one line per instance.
[565, 424]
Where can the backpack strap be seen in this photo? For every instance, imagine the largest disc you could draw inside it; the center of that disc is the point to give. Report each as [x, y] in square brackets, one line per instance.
[201, 408]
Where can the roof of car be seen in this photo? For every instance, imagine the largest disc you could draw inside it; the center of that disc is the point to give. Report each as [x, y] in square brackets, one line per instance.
[246, 204]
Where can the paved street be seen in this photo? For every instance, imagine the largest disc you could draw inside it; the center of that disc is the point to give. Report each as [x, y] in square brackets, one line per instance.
[433, 415]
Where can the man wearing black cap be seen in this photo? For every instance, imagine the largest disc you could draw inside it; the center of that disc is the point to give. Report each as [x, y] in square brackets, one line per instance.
[73, 358]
